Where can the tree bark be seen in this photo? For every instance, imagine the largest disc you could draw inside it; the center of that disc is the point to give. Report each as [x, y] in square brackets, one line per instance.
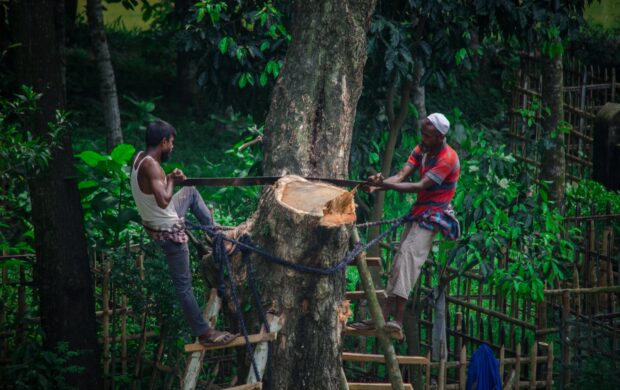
[553, 163]
[395, 121]
[288, 224]
[107, 86]
[186, 86]
[62, 272]
[308, 132]
[309, 127]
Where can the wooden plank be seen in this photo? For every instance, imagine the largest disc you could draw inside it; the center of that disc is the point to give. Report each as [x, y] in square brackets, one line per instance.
[250, 386]
[194, 361]
[489, 312]
[261, 353]
[376, 386]
[363, 357]
[371, 333]
[362, 294]
[239, 341]
[592, 290]
[391, 364]
[372, 262]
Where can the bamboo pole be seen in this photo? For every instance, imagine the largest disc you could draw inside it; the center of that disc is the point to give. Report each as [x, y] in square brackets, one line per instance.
[565, 338]
[441, 380]
[591, 290]
[549, 384]
[105, 296]
[459, 329]
[124, 336]
[463, 368]
[391, 363]
[533, 365]
[518, 365]
[502, 363]
[21, 307]
[428, 371]
[489, 312]
[158, 354]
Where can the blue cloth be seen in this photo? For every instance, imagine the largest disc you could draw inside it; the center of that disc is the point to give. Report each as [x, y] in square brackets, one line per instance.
[484, 370]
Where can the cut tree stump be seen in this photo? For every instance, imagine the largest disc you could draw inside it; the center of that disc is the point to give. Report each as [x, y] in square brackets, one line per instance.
[307, 223]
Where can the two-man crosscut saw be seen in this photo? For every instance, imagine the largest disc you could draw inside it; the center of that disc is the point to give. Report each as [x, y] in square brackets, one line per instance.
[261, 180]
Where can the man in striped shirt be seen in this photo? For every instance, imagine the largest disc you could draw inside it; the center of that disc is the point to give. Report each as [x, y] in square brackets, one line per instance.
[439, 173]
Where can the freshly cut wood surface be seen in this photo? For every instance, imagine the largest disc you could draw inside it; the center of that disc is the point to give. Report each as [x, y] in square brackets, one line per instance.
[334, 205]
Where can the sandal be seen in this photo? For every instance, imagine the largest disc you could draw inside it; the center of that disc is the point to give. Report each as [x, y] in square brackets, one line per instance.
[363, 325]
[392, 326]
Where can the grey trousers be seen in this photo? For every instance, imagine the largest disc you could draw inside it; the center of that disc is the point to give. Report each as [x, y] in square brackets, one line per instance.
[415, 244]
[177, 257]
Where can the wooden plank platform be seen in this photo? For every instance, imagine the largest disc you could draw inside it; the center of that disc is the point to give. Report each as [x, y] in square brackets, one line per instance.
[239, 341]
[375, 386]
[370, 333]
[364, 357]
[362, 294]
[251, 386]
[371, 262]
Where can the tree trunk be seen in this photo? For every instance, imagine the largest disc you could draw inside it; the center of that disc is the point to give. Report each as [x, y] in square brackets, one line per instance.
[62, 272]
[553, 164]
[107, 86]
[396, 121]
[308, 132]
[186, 86]
[310, 123]
[290, 224]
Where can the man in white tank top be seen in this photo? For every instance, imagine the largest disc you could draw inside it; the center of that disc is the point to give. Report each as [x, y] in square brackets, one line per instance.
[163, 213]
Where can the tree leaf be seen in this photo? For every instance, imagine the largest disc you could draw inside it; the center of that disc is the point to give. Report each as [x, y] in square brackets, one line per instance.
[122, 153]
[91, 158]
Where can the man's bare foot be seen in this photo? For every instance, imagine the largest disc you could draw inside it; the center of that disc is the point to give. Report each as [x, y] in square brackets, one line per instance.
[215, 337]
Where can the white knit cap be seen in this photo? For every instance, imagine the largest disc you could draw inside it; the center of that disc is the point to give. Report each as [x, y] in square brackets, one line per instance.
[440, 122]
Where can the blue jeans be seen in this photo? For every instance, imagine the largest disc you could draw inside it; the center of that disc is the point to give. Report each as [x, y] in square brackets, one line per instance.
[177, 257]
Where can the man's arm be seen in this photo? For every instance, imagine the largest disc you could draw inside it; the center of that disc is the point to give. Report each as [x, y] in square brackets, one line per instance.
[399, 177]
[420, 186]
[162, 191]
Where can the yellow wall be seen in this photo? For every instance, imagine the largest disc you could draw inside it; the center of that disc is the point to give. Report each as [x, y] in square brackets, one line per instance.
[605, 12]
[112, 13]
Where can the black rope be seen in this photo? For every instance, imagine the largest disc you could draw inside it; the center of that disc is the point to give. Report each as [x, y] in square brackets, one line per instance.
[358, 248]
[220, 255]
[375, 223]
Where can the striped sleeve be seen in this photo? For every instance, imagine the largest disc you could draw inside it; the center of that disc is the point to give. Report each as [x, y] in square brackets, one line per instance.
[415, 158]
[444, 167]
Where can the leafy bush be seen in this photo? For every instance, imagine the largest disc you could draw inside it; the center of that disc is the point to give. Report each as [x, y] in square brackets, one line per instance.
[33, 367]
[106, 195]
[22, 157]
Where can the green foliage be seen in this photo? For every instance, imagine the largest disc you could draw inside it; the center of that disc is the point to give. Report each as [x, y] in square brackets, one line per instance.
[105, 193]
[23, 156]
[240, 43]
[552, 44]
[595, 45]
[142, 114]
[504, 215]
[33, 367]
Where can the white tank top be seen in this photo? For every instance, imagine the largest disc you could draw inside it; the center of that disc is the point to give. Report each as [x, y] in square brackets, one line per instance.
[153, 216]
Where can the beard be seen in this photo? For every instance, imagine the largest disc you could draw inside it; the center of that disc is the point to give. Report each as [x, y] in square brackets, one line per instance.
[165, 156]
